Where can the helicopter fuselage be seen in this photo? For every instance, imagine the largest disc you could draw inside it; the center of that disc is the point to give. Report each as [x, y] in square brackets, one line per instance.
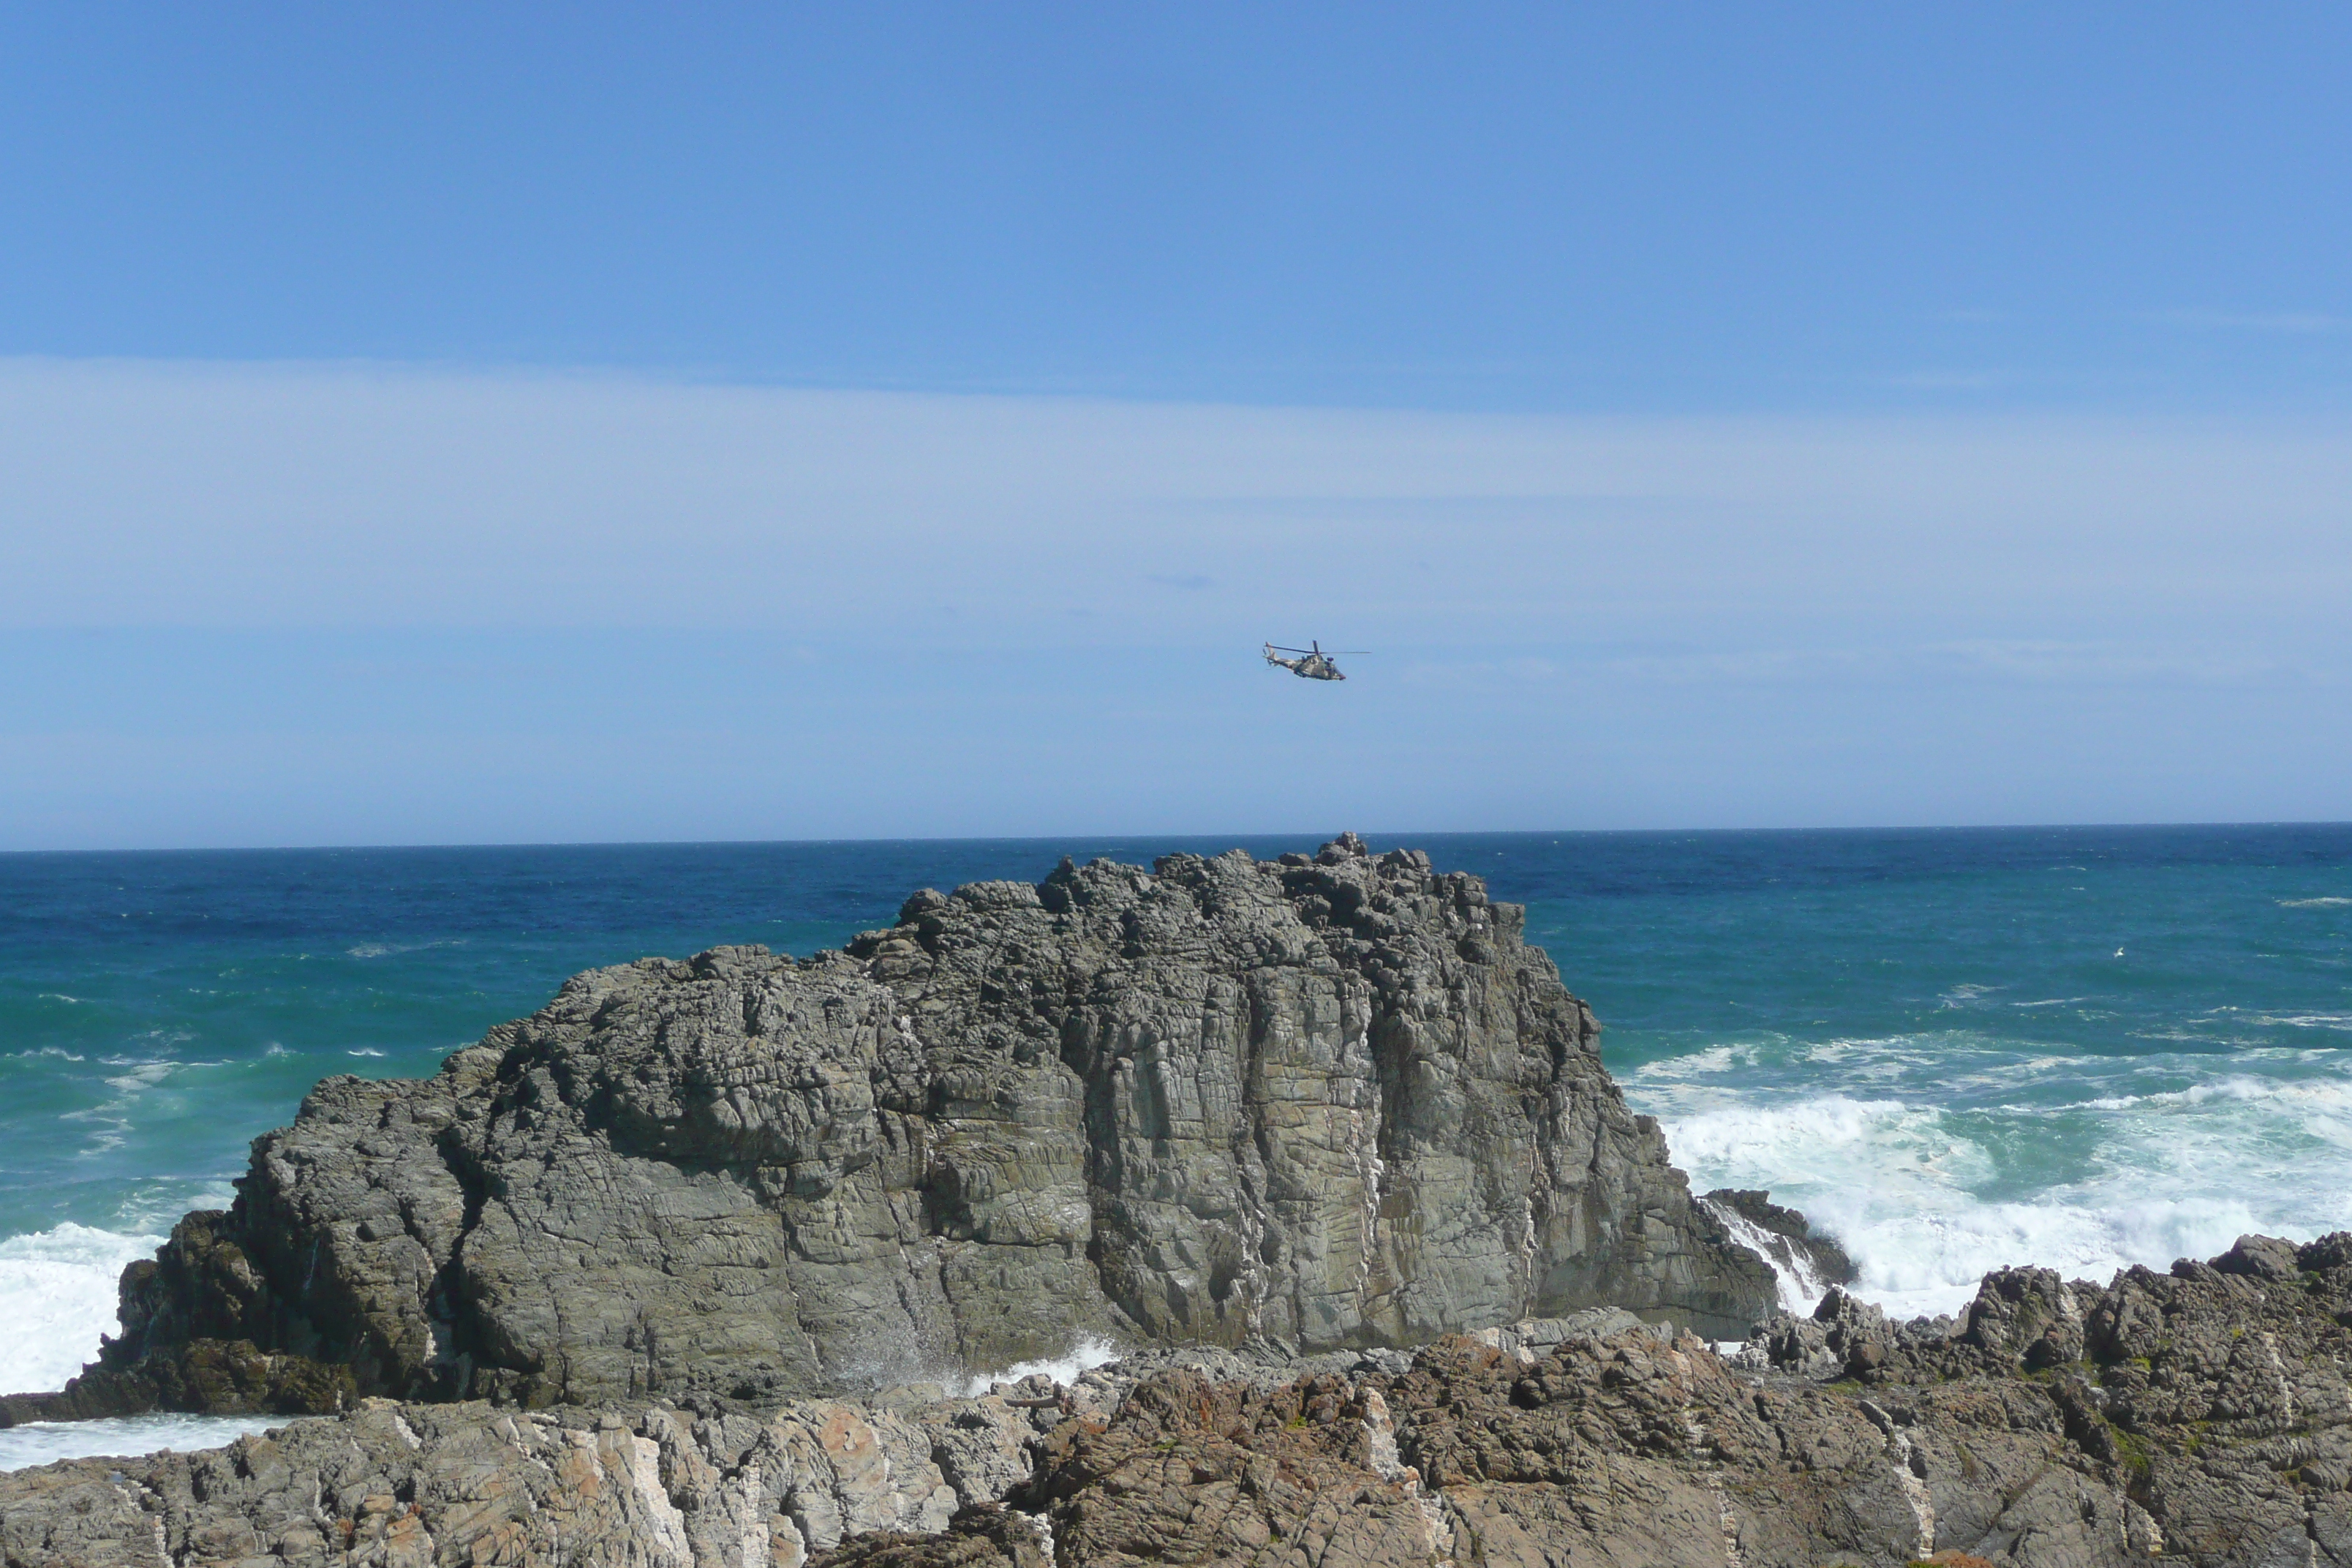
[1312, 665]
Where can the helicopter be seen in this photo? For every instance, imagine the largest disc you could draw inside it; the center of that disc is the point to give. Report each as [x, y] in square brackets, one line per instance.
[1312, 663]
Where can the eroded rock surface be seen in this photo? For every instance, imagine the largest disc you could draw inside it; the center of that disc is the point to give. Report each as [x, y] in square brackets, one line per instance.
[470, 1483]
[2199, 1418]
[1324, 1103]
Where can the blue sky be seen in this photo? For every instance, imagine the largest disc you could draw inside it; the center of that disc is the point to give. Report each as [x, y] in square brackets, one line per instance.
[1556, 206]
[500, 423]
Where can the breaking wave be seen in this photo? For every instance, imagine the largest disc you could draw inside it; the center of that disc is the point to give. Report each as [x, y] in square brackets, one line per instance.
[56, 1298]
[1927, 1198]
[1082, 1357]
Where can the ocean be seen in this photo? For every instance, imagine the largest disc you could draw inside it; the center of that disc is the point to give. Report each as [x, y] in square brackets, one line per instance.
[2081, 1048]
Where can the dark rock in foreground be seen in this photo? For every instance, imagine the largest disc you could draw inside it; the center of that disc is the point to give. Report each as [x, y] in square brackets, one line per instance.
[2199, 1418]
[1325, 1102]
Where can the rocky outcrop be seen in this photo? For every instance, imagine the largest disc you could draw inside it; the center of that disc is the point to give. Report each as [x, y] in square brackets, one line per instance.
[2211, 1399]
[1330, 1101]
[2199, 1416]
[390, 1484]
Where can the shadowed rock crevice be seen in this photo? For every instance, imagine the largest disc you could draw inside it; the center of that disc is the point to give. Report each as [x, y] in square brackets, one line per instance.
[1320, 1103]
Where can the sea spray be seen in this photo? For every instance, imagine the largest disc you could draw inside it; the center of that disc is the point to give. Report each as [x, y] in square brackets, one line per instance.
[58, 1297]
[44, 1442]
[1917, 1204]
[1802, 1285]
[1083, 1357]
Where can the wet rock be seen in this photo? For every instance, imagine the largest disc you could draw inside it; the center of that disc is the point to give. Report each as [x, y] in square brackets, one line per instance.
[1784, 1238]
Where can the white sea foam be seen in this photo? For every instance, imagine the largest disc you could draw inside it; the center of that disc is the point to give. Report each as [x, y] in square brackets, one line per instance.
[1823, 1141]
[44, 1442]
[390, 949]
[2320, 1097]
[1697, 1064]
[1801, 1287]
[1083, 1357]
[2313, 903]
[1931, 1261]
[56, 1298]
[1927, 1200]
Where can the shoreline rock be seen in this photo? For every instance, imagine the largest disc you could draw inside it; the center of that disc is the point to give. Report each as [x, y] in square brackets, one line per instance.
[2201, 1416]
[1328, 1102]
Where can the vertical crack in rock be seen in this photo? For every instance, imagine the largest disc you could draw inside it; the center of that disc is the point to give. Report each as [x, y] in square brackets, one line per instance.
[1908, 1478]
[1253, 1164]
[2278, 1373]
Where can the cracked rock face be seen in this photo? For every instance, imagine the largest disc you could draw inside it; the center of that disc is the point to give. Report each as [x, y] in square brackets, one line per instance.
[1324, 1103]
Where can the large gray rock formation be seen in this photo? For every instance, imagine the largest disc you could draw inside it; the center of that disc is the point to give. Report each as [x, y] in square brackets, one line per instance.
[1328, 1101]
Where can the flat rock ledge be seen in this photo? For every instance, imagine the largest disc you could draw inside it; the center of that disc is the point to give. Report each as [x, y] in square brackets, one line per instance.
[1328, 1102]
[2198, 1417]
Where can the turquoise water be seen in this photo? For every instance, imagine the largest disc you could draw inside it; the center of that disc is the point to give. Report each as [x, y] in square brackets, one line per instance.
[2075, 1046]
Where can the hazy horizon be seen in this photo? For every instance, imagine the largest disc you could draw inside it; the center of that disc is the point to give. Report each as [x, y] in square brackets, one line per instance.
[1306, 841]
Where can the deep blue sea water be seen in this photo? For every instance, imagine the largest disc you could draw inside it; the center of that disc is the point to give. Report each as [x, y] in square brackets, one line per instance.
[2075, 1046]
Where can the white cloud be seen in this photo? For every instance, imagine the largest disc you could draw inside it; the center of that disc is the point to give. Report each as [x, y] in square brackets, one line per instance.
[2295, 322]
[363, 604]
[290, 496]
